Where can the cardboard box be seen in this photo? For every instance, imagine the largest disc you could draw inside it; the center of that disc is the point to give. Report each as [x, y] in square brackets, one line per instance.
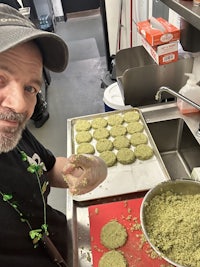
[162, 54]
[158, 31]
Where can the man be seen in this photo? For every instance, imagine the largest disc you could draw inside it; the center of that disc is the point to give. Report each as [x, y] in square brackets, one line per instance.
[40, 114]
[31, 232]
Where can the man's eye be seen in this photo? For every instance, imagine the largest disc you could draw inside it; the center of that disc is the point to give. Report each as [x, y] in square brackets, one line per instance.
[31, 89]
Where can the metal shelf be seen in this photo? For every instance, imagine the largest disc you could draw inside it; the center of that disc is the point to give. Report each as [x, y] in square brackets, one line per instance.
[185, 9]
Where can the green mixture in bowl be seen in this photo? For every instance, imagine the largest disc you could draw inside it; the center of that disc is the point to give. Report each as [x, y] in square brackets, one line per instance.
[172, 223]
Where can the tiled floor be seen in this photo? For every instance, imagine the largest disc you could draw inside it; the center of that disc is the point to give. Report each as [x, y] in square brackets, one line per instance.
[77, 91]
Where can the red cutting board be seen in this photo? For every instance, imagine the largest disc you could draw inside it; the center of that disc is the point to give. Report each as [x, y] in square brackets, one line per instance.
[136, 251]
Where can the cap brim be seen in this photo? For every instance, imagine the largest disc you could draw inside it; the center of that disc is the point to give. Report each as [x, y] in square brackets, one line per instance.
[54, 50]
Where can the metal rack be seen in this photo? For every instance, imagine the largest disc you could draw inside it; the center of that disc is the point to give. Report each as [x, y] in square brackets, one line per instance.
[187, 10]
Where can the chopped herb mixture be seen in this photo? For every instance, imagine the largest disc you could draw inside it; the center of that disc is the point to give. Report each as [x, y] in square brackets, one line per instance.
[173, 226]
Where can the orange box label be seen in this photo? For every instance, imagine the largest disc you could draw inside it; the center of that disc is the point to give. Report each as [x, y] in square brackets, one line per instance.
[162, 54]
[158, 31]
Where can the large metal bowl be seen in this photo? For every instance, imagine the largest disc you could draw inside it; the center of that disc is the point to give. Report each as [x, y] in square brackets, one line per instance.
[183, 187]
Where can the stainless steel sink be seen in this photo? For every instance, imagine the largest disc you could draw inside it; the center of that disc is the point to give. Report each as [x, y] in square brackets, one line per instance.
[178, 147]
[175, 137]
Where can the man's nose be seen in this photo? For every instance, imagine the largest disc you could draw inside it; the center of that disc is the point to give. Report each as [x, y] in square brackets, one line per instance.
[15, 99]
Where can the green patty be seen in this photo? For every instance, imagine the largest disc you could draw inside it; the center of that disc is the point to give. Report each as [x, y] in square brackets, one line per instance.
[109, 157]
[125, 156]
[113, 258]
[115, 119]
[82, 125]
[99, 123]
[143, 152]
[135, 127]
[101, 133]
[85, 148]
[138, 139]
[113, 235]
[121, 142]
[117, 130]
[83, 137]
[131, 116]
[103, 145]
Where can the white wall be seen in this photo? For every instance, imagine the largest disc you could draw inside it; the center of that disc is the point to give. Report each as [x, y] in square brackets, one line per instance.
[119, 24]
[174, 18]
[112, 16]
[141, 10]
[57, 8]
[20, 2]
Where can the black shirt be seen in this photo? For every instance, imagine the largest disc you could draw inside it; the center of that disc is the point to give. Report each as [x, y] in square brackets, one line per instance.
[16, 246]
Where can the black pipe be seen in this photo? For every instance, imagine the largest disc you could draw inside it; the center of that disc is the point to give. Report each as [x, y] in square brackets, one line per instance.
[105, 31]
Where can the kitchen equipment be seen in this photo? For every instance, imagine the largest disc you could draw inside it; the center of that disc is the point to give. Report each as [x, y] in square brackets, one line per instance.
[183, 187]
[136, 250]
[138, 176]
[181, 142]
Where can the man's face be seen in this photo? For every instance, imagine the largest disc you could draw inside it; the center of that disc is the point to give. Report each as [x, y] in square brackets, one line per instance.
[20, 81]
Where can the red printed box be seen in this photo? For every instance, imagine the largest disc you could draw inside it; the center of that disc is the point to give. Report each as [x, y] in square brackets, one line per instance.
[158, 31]
[162, 54]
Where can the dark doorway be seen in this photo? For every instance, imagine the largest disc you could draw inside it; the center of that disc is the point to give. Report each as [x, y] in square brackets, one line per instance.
[70, 6]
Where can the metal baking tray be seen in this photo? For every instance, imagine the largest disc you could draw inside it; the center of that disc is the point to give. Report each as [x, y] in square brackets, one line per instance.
[122, 179]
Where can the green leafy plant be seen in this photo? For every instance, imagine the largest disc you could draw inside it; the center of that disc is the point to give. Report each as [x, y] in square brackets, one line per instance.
[37, 169]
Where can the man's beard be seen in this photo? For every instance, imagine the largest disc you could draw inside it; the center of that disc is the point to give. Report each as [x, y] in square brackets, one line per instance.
[9, 137]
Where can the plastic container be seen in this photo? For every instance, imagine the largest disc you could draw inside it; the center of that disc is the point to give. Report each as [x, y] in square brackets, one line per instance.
[113, 99]
[192, 91]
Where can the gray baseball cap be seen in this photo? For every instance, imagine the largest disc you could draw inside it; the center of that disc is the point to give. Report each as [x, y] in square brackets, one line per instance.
[16, 29]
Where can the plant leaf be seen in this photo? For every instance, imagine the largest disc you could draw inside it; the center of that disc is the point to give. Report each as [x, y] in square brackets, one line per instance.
[7, 197]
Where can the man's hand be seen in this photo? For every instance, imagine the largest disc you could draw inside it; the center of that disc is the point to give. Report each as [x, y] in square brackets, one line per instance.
[83, 173]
